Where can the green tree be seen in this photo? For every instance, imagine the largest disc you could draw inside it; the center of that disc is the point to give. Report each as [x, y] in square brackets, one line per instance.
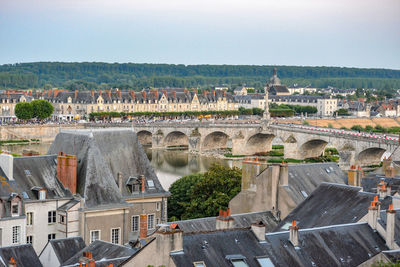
[24, 111]
[212, 193]
[342, 112]
[181, 192]
[202, 195]
[42, 109]
[357, 128]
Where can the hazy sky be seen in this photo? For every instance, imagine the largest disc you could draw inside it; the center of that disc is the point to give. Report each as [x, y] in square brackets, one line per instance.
[355, 33]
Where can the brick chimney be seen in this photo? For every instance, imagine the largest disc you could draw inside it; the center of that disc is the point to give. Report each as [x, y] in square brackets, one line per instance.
[354, 176]
[119, 93]
[382, 190]
[224, 220]
[76, 94]
[92, 93]
[12, 263]
[294, 234]
[213, 93]
[258, 229]
[390, 172]
[174, 94]
[144, 95]
[390, 227]
[205, 92]
[30, 93]
[372, 215]
[109, 94]
[143, 183]
[156, 94]
[132, 94]
[143, 226]
[87, 260]
[67, 171]
[7, 164]
[386, 163]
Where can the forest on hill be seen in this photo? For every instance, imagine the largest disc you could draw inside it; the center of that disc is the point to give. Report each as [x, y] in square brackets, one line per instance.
[135, 76]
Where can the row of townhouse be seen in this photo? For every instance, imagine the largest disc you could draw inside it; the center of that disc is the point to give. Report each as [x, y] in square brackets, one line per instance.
[98, 185]
[326, 106]
[69, 105]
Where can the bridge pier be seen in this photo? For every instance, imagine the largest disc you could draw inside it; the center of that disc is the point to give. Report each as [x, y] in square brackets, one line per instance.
[157, 141]
[194, 143]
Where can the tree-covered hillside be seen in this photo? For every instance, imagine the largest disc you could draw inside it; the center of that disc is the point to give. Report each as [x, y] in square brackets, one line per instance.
[137, 76]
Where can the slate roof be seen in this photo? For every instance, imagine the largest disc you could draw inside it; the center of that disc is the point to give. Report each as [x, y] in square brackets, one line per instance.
[240, 221]
[276, 89]
[369, 183]
[40, 172]
[66, 206]
[331, 204]
[103, 253]
[337, 245]
[101, 155]
[65, 248]
[24, 255]
[214, 247]
[304, 178]
[294, 98]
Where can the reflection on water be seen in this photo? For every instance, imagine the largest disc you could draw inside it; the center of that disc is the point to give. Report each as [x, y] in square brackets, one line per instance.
[169, 165]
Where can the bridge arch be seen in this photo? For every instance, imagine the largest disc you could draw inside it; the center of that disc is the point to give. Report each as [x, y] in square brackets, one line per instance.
[145, 137]
[259, 143]
[215, 140]
[370, 156]
[312, 148]
[176, 139]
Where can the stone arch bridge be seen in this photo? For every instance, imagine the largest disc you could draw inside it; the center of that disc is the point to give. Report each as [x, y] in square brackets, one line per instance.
[250, 139]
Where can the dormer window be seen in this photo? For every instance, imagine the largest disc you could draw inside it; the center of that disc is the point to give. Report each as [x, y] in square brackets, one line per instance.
[133, 185]
[42, 194]
[15, 209]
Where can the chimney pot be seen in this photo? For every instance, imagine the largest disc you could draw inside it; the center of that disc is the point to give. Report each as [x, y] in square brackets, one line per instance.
[12, 263]
[294, 234]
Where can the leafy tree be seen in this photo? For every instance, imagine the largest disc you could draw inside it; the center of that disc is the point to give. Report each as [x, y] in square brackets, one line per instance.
[24, 111]
[42, 109]
[181, 192]
[342, 112]
[203, 195]
[368, 128]
[357, 128]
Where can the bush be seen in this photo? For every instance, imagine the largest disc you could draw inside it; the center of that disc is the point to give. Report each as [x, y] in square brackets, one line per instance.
[343, 128]
[369, 128]
[306, 123]
[275, 153]
[330, 125]
[331, 151]
[357, 128]
[277, 147]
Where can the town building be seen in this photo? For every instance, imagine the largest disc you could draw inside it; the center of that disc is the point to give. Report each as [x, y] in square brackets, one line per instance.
[296, 89]
[326, 106]
[275, 87]
[19, 256]
[281, 187]
[8, 100]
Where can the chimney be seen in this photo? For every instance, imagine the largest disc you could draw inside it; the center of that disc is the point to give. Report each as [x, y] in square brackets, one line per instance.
[143, 226]
[12, 263]
[30, 93]
[213, 93]
[156, 94]
[205, 92]
[354, 176]
[119, 177]
[143, 183]
[7, 164]
[386, 163]
[224, 220]
[144, 95]
[250, 170]
[67, 171]
[133, 94]
[382, 190]
[390, 172]
[294, 234]
[170, 238]
[372, 215]
[174, 94]
[109, 94]
[390, 226]
[258, 229]
[284, 174]
[87, 260]
[119, 93]
[76, 94]
[92, 93]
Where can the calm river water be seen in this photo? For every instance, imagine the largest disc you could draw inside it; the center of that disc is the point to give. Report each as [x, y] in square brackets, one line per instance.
[169, 165]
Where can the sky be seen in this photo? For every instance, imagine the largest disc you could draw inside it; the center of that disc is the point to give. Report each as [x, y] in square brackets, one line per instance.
[349, 33]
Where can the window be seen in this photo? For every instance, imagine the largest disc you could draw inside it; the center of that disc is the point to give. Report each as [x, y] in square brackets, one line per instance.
[115, 235]
[16, 234]
[51, 216]
[29, 239]
[62, 219]
[51, 236]
[29, 218]
[265, 262]
[150, 221]
[135, 223]
[239, 263]
[94, 235]
[42, 194]
[150, 183]
[158, 206]
[15, 209]
[199, 264]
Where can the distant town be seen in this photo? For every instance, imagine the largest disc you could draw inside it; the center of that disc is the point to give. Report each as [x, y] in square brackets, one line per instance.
[296, 176]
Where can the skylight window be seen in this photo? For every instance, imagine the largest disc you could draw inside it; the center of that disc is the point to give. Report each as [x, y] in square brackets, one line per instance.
[304, 194]
[265, 262]
[199, 264]
[239, 263]
[150, 183]
[286, 226]
[27, 172]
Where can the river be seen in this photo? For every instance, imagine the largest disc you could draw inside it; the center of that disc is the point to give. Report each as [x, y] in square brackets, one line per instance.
[169, 165]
